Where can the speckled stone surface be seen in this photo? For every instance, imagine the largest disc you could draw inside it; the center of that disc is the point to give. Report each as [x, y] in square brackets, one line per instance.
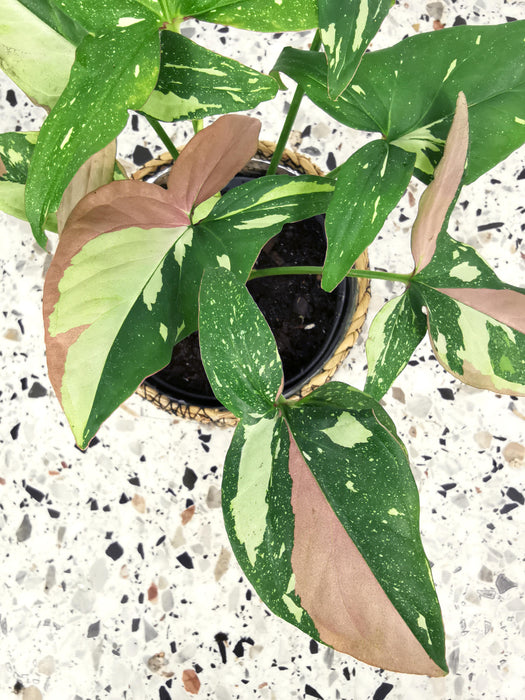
[116, 579]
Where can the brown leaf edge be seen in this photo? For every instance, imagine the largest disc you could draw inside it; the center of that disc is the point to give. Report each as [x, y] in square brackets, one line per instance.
[349, 608]
[439, 195]
[3, 169]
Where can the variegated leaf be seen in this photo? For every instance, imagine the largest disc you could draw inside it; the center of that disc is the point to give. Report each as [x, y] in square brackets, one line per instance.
[437, 199]
[324, 520]
[479, 335]
[413, 108]
[395, 333]
[238, 350]
[111, 297]
[50, 13]
[34, 56]
[195, 83]
[258, 515]
[112, 73]
[259, 15]
[369, 185]
[16, 150]
[358, 562]
[100, 16]
[347, 27]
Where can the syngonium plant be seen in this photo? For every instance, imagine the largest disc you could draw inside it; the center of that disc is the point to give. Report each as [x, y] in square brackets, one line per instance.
[319, 501]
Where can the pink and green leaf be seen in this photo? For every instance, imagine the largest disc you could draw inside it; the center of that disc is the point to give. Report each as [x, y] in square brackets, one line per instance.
[438, 197]
[396, 331]
[344, 564]
[369, 185]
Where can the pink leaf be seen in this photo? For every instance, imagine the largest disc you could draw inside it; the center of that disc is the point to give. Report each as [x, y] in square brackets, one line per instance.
[339, 591]
[439, 195]
[211, 159]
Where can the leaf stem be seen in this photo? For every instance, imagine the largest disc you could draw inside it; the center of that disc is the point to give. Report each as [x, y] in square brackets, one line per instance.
[163, 136]
[290, 117]
[317, 270]
[198, 125]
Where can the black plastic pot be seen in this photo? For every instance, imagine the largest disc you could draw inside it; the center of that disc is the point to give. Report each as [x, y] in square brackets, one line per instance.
[305, 309]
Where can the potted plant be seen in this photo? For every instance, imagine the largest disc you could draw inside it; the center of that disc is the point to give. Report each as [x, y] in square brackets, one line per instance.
[319, 502]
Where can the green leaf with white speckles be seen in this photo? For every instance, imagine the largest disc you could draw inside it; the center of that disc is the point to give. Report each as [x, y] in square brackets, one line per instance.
[369, 185]
[258, 515]
[413, 108]
[111, 74]
[347, 27]
[259, 15]
[34, 56]
[100, 16]
[238, 350]
[359, 567]
[395, 333]
[49, 12]
[16, 149]
[195, 83]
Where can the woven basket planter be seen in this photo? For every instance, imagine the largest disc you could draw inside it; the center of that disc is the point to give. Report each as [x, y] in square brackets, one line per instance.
[220, 416]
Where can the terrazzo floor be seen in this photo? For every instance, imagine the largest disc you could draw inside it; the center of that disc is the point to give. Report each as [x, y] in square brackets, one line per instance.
[116, 578]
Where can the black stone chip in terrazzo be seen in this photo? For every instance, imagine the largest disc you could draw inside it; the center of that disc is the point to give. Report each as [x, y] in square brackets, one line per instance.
[185, 560]
[141, 155]
[114, 551]
[521, 176]
[34, 493]
[37, 390]
[516, 495]
[221, 638]
[135, 623]
[11, 98]
[238, 649]
[53, 513]
[314, 646]
[163, 693]
[189, 478]
[346, 673]
[173, 647]
[446, 394]
[23, 383]
[331, 162]
[312, 692]
[507, 508]
[459, 21]
[134, 481]
[382, 691]
[493, 224]
[124, 499]
[204, 437]
[160, 540]
[93, 630]
[14, 431]
[135, 122]
[140, 549]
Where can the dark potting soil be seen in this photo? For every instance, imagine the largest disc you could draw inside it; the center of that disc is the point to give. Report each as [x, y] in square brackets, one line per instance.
[300, 313]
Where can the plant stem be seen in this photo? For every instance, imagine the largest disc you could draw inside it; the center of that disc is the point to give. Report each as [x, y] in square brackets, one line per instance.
[290, 117]
[198, 125]
[316, 270]
[163, 136]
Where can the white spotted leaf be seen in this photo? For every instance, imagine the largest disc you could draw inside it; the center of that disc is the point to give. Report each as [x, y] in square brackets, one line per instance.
[347, 27]
[395, 332]
[369, 185]
[413, 108]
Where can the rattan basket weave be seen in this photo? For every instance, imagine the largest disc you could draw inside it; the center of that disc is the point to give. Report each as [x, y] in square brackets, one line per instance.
[220, 416]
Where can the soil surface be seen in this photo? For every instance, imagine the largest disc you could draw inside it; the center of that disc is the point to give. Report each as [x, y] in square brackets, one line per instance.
[302, 316]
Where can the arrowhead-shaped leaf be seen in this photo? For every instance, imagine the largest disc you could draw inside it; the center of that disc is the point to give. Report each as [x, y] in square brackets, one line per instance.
[438, 197]
[238, 349]
[33, 55]
[111, 292]
[369, 185]
[413, 108]
[112, 73]
[325, 523]
[195, 83]
[347, 27]
[395, 333]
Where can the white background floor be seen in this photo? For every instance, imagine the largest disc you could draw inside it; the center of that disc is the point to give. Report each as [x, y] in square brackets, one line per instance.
[82, 617]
